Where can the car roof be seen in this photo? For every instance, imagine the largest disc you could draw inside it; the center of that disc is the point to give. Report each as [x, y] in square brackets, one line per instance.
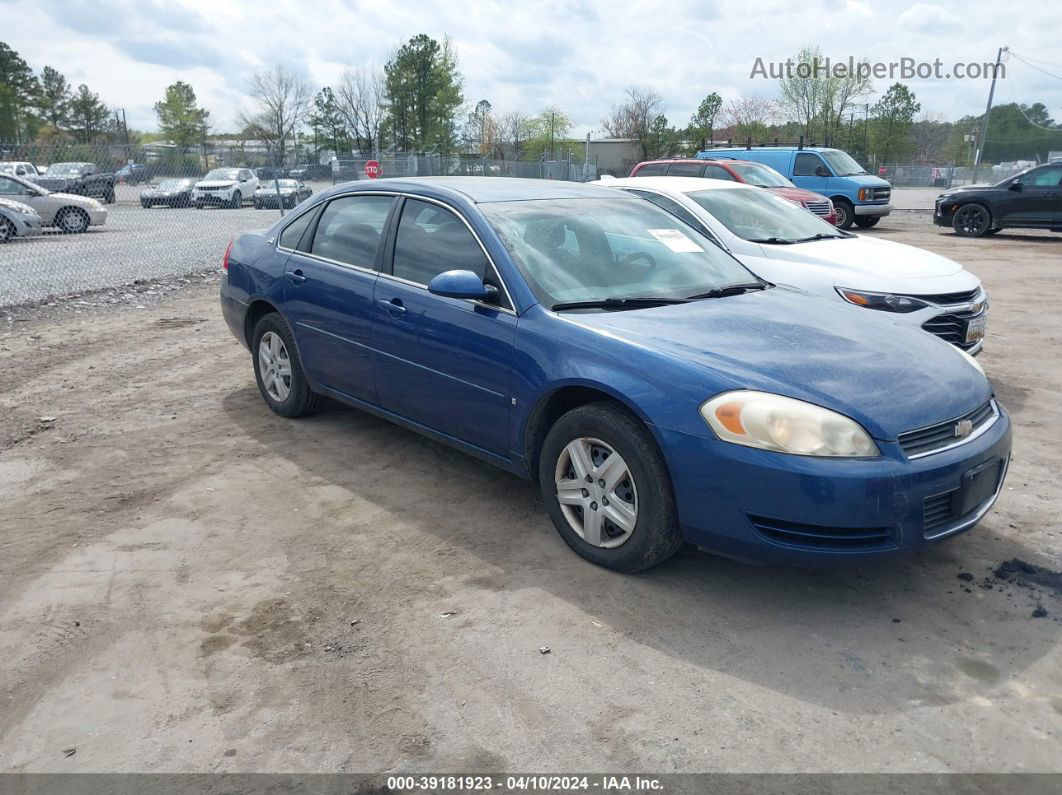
[482, 190]
[681, 184]
[728, 161]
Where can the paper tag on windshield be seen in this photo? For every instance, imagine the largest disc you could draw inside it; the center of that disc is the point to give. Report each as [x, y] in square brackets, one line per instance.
[675, 240]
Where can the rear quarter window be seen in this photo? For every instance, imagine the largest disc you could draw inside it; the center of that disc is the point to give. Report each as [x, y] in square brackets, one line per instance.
[652, 170]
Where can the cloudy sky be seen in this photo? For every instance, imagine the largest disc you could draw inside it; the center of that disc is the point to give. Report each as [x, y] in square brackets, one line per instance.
[577, 54]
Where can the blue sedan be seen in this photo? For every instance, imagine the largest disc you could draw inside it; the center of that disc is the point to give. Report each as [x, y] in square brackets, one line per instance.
[657, 390]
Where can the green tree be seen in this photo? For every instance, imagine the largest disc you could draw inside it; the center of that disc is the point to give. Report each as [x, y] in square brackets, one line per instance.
[818, 99]
[547, 131]
[890, 124]
[326, 119]
[423, 93]
[53, 97]
[88, 115]
[1015, 132]
[663, 140]
[181, 120]
[18, 87]
[702, 123]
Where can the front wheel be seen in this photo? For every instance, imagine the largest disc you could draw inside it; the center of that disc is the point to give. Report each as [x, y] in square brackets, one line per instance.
[845, 213]
[607, 489]
[108, 195]
[73, 220]
[7, 231]
[278, 369]
[866, 221]
[237, 200]
[971, 220]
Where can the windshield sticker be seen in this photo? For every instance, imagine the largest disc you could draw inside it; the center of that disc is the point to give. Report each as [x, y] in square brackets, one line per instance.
[675, 240]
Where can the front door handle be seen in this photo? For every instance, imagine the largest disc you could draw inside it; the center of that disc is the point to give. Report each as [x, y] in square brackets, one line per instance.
[295, 276]
[394, 306]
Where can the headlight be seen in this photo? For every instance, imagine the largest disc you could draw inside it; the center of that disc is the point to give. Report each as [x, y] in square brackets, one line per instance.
[973, 362]
[886, 302]
[785, 425]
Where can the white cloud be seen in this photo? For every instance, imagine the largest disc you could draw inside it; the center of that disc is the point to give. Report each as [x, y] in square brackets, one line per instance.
[577, 55]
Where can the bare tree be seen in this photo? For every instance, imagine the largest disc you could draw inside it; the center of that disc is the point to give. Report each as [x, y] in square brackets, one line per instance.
[516, 128]
[748, 117]
[282, 99]
[361, 97]
[816, 98]
[635, 117]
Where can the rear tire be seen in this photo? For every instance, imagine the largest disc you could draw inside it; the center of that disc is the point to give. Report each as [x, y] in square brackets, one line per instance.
[278, 369]
[641, 494]
[866, 221]
[108, 195]
[845, 213]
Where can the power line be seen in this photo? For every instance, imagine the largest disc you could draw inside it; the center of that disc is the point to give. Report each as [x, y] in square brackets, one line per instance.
[1021, 110]
[1037, 68]
[1037, 60]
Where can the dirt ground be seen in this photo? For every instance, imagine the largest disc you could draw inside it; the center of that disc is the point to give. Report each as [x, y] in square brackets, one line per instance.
[188, 582]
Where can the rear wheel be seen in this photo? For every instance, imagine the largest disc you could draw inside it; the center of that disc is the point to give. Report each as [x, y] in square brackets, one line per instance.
[845, 213]
[72, 220]
[866, 221]
[971, 220]
[278, 369]
[607, 489]
[7, 231]
[108, 195]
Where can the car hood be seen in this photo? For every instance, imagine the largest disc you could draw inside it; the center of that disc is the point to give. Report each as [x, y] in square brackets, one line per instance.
[798, 194]
[75, 199]
[46, 179]
[968, 189]
[17, 207]
[216, 183]
[887, 376]
[868, 263]
[867, 181]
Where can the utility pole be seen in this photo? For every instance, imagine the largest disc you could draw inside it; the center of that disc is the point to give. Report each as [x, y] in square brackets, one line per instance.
[988, 110]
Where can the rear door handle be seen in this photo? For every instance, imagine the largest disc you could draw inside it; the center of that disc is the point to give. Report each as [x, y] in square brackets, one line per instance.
[295, 276]
[394, 306]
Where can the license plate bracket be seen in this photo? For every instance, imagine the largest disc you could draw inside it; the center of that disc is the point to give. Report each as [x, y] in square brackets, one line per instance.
[978, 486]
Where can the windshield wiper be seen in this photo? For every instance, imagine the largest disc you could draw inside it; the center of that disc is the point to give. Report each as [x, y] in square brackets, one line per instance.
[771, 240]
[730, 289]
[633, 302]
[819, 236]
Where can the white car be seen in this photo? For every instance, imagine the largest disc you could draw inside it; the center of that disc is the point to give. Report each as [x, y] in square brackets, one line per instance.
[19, 168]
[785, 244]
[225, 187]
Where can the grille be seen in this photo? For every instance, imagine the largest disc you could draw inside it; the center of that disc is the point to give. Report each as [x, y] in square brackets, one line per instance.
[951, 298]
[936, 512]
[951, 327]
[819, 208]
[880, 194]
[934, 437]
[811, 536]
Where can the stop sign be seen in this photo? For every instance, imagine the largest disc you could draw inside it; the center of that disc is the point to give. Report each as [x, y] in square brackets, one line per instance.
[372, 169]
[881, 170]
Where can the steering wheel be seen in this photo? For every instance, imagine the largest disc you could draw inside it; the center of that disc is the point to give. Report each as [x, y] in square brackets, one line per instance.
[637, 255]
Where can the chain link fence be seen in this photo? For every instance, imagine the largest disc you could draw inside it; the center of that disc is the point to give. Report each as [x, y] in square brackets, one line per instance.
[115, 214]
[949, 175]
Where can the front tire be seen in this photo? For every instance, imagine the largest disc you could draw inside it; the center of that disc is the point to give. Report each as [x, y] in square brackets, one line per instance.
[7, 231]
[971, 220]
[108, 195]
[607, 489]
[845, 213]
[867, 221]
[237, 201]
[73, 221]
[278, 369]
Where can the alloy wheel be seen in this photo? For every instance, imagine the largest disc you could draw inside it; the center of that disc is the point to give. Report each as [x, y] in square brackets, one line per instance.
[274, 366]
[596, 492]
[971, 220]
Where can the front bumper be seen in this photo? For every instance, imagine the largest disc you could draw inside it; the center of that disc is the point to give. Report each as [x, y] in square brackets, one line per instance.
[872, 209]
[271, 200]
[769, 507]
[218, 197]
[943, 212]
[26, 225]
[97, 217]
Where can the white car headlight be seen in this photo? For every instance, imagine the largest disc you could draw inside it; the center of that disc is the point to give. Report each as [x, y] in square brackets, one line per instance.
[785, 425]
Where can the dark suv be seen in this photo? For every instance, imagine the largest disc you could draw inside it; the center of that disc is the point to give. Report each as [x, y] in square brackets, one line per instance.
[1029, 200]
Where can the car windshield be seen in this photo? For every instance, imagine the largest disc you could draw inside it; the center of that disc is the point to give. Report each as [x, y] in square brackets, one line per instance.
[842, 163]
[571, 250]
[7, 168]
[65, 170]
[284, 183]
[174, 184]
[760, 176]
[223, 173]
[760, 216]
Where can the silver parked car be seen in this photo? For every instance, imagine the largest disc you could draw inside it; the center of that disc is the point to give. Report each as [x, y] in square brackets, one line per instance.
[66, 211]
[18, 220]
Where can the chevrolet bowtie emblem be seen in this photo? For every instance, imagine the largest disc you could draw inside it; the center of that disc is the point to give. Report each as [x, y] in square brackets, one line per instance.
[963, 428]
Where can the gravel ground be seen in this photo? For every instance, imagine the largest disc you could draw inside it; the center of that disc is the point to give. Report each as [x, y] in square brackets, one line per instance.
[189, 582]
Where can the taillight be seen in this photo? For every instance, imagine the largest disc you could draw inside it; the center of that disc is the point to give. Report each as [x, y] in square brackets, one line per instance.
[225, 259]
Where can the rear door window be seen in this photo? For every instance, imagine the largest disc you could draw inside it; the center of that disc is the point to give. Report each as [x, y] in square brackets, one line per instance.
[350, 229]
[652, 170]
[686, 170]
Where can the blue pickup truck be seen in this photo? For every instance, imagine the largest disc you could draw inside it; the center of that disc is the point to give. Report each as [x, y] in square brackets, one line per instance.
[857, 196]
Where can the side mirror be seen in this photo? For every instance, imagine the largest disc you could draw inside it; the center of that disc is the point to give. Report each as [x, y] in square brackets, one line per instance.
[1015, 185]
[461, 284]
[821, 171]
